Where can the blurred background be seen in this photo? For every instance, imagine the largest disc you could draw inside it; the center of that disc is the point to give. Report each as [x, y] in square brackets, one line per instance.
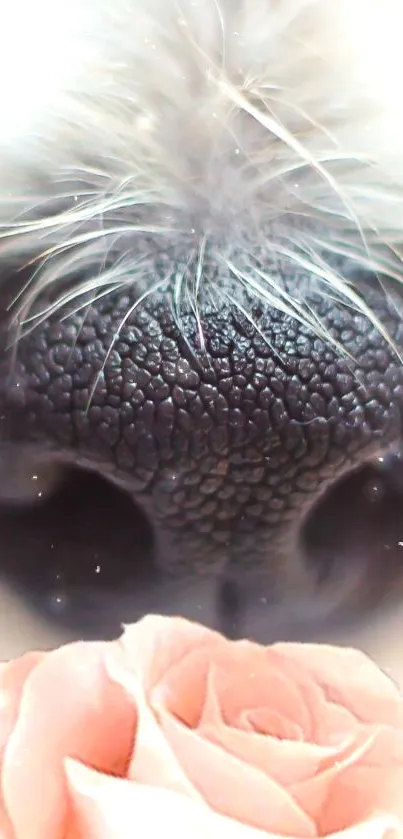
[76, 564]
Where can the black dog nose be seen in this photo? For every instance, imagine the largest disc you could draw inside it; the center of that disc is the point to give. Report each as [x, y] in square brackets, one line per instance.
[226, 448]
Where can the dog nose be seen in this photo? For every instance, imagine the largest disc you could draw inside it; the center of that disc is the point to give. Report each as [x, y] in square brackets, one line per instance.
[227, 448]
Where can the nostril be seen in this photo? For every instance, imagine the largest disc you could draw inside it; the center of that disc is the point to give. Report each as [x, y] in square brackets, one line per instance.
[84, 556]
[353, 542]
[76, 555]
[356, 530]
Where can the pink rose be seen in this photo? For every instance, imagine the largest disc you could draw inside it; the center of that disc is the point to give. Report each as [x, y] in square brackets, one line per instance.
[175, 731]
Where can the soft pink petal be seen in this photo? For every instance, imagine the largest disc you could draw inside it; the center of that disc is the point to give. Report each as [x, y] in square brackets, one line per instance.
[110, 808]
[360, 793]
[246, 677]
[286, 762]
[191, 671]
[243, 676]
[13, 676]
[249, 719]
[153, 761]
[161, 649]
[271, 723]
[349, 678]
[171, 653]
[380, 826]
[12, 679]
[257, 686]
[233, 788]
[329, 722]
[68, 708]
[368, 781]
[211, 714]
[156, 644]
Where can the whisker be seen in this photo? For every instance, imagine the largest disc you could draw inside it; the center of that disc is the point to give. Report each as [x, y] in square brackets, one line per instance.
[234, 302]
[154, 288]
[336, 282]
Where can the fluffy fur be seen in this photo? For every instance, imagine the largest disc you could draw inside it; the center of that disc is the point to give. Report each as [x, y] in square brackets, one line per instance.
[206, 130]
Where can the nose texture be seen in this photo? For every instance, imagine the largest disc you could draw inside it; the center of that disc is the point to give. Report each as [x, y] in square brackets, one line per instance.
[225, 440]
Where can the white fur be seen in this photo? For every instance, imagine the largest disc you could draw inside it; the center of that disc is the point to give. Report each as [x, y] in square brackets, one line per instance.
[227, 125]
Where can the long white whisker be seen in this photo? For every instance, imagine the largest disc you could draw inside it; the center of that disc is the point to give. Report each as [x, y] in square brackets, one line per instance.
[196, 291]
[278, 130]
[336, 282]
[154, 288]
[233, 302]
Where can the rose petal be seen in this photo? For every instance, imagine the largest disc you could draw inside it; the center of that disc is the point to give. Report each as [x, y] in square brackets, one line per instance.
[329, 722]
[156, 643]
[68, 708]
[249, 720]
[286, 762]
[243, 676]
[233, 788]
[12, 679]
[153, 760]
[110, 808]
[169, 653]
[381, 826]
[211, 713]
[370, 780]
[160, 648]
[350, 679]
[246, 676]
[270, 723]
[185, 704]
[172, 652]
[13, 676]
